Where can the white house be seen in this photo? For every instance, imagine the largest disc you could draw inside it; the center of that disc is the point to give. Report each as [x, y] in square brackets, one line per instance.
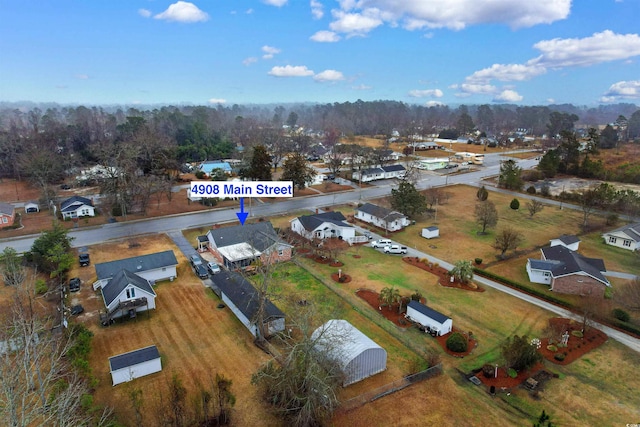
[394, 171]
[244, 301]
[430, 319]
[76, 207]
[369, 174]
[382, 217]
[358, 356]
[625, 237]
[323, 226]
[430, 232]
[152, 267]
[127, 294]
[431, 164]
[568, 241]
[134, 364]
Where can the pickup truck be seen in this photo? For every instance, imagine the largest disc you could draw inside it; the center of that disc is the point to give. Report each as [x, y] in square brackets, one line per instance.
[395, 249]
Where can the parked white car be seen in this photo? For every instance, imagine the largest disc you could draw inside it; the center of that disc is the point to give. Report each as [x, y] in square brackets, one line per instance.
[381, 243]
[395, 249]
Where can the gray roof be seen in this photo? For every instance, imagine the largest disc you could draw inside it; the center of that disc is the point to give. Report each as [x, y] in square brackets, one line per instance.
[432, 228]
[243, 295]
[311, 222]
[73, 203]
[570, 262]
[393, 168]
[343, 341]
[260, 235]
[134, 357]
[120, 281]
[6, 208]
[429, 312]
[568, 239]
[631, 230]
[380, 212]
[543, 264]
[372, 171]
[140, 263]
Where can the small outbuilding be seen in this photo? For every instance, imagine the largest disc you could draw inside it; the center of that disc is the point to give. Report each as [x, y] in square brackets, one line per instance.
[358, 355]
[432, 320]
[31, 207]
[134, 364]
[430, 232]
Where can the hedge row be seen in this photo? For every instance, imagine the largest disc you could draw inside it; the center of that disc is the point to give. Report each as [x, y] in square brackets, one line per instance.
[545, 296]
[625, 326]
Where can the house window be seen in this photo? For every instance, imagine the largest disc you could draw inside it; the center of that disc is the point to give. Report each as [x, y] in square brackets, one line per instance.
[131, 293]
[612, 239]
[4, 220]
[627, 243]
[280, 252]
[547, 274]
[164, 268]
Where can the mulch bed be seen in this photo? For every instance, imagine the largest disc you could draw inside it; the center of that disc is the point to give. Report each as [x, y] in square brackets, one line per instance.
[357, 256]
[336, 264]
[389, 313]
[345, 278]
[319, 259]
[472, 343]
[443, 275]
[576, 346]
[503, 381]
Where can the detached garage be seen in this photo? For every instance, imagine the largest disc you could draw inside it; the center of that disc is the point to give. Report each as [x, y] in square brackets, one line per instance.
[135, 364]
[431, 320]
[357, 354]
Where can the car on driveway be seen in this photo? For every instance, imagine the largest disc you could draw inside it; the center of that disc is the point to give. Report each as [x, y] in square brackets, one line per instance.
[201, 271]
[195, 260]
[77, 309]
[74, 284]
[84, 260]
[381, 243]
[395, 249]
[213, 268]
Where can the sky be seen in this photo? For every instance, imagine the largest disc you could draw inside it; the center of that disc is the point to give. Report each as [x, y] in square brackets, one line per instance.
[424, 52]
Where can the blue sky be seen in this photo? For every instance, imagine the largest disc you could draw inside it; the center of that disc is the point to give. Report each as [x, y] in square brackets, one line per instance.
[280, 51]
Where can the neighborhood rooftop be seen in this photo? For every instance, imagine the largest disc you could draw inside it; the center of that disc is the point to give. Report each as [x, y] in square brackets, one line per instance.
[380, 212]
[311, 222]
[72, 202]
[105, 270]
[570, 262]
[630, 230]
[243, 295]
[260, 235]
[120, 281]
[6, 208]
[429, 312]
[568, 239]
[133, 358]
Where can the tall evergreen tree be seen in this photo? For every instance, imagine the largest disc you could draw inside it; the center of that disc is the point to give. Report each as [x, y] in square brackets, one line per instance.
[297, 169]
[408, 200]
[260, 166]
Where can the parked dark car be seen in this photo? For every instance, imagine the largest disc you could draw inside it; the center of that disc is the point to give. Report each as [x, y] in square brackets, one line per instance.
[84, 260]
[65, 187]
[77, 309]
[201, 271]
[74, 284]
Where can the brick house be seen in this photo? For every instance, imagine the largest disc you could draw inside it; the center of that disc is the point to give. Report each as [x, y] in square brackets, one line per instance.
[7, 214]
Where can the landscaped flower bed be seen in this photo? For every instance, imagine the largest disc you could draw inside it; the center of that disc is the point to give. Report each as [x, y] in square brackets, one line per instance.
[444, 279]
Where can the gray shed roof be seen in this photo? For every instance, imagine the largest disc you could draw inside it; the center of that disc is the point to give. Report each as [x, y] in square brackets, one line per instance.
[429, 312]
[570, 262]
[568, 239]
[311, 222]
[104, 270]
[134, 357]
[120, 281]
[380, 212]
[260, 235]
[243, 295]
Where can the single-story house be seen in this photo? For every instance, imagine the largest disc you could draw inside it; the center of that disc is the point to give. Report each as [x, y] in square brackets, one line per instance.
[358, 356]
[382, 217]
[430, 232]
[209, 166]
[394, 171]
[127, 294]
[238, 246]
[7, 214]
[568, 272]
[430, 319]
[323, 226]
[431, 164]
[427, 145]
[134, 364]
[625, 237]
[76, 207]
[152, 267]
[244, 301]
[369, 174]
[31, 207]
[569, 241]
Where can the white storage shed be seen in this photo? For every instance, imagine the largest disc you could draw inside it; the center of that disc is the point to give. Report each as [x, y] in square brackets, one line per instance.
[357, 354]
[134, 364]
[430, 319]
[430, 232]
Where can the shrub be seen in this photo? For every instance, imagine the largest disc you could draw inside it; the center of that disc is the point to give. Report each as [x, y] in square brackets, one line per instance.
[416, 296]
[612, 219]
[482, 194]
[515, 204]
[512, 372]
[532, 175]
[41, 287]
[577, 334]
[342, 279]
[200, 174]
[552, 348]
[620, 314]
[457, 343]
[559, 357]
[531, 189]
[545, 190]
[478, 261]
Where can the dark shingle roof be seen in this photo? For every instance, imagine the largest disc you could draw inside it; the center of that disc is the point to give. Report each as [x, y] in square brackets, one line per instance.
[543, 264]
[134, 357]
[393, 168]
[260, 235]
[311, 222]
[243, 295]
[631, 230]
[429, 312]
[7, 208]
[380, 212]
[372, 171]
[73, 203]
[140, 263]
[571, 262]
[120, 281]
[568, 239]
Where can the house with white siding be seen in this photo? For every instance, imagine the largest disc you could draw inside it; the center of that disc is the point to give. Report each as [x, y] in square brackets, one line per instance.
[625, 237]
[152, 267]
[382, 217]
[322, 226]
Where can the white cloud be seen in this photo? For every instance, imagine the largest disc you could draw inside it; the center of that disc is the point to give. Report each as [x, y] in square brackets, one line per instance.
[144, 13]
[277, 3]
[361, 87]
[250, 60]
[269, 51]
[249, 11]
[328, 76]
[433, 104]
[290, 71]
[317, 9]
[551, 101]
[622, 90]
[217, 101]
[423, 93]
[325, 37]
[474, 89]
[82, 76]
[182, 11]
[506, 73]
[452, 14]
[508, 95]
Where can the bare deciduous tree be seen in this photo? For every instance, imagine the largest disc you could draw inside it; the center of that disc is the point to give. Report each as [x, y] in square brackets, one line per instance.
[534, 206]
[507, 239]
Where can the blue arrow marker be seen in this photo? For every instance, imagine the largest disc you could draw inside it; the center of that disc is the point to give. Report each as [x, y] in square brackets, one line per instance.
[242, 215]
